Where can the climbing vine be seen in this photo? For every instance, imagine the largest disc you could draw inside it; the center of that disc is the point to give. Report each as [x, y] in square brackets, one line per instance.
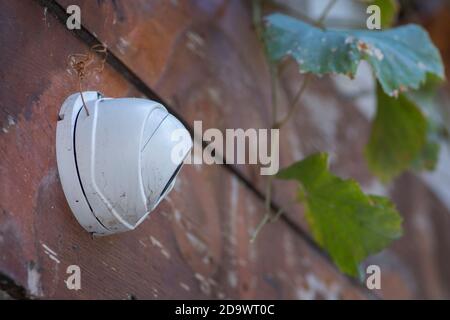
[81, 64]
[349, 224]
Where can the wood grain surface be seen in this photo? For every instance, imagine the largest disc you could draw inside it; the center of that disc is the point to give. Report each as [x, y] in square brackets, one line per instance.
[195, 245]
[204, 59]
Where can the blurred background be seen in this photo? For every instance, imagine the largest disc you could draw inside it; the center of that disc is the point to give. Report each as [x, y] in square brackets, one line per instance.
[416, 265]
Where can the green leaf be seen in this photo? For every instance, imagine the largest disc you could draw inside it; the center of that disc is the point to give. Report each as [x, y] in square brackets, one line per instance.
[347, 223]
[406, 132]
[398, 136]
[427, 99]
[428, 157]
[401, 58]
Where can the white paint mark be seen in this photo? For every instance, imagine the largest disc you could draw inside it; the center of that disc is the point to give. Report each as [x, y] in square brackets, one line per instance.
[315, 287]
[221, 295]
[34, 281]
[195, 43]
[234, 194]
[54, 258]
[155, 242]
[158, 244]
[205, 286]
[11, 123]
[233, 212]
[46, 22]
[49, 250]
[198, 244]
[195, 37]
[177, 215]
[214, 94]
[178, 184]
[165, 253]
[51, 254]
[185, 286]
[123, 45]
[232, 279]
[142, 243]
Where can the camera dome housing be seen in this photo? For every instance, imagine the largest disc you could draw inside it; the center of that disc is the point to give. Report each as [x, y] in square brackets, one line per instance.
[117, 163]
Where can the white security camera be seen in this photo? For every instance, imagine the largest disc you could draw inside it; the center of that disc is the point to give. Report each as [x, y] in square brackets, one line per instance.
[116, 163]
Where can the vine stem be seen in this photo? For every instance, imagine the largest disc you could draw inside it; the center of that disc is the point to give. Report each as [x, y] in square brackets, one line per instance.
[273, 89]
[257, 22]
[294, 104]
[82, 98]
[326, 11]
[267, 219]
